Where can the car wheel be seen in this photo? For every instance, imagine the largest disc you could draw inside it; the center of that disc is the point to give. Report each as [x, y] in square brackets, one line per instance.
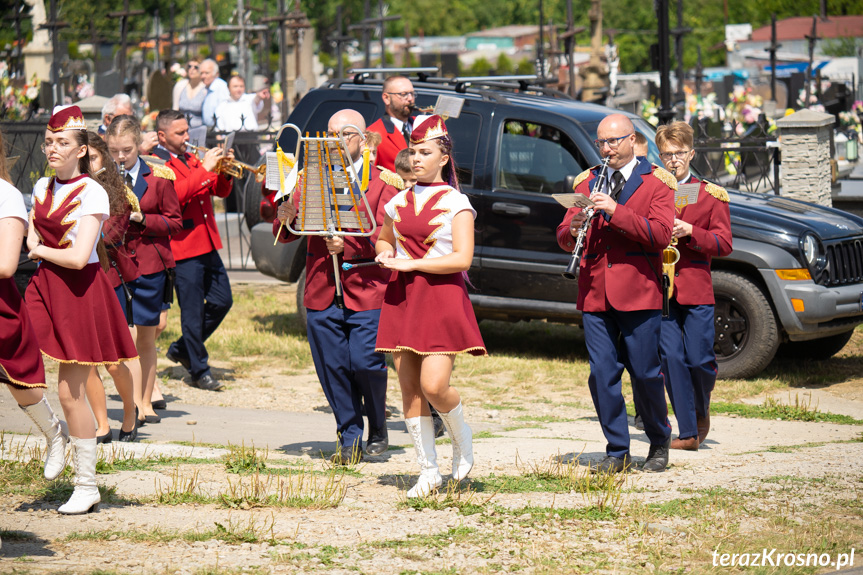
[301, 290]
[746, 336]
[252, 200]
[817, 349]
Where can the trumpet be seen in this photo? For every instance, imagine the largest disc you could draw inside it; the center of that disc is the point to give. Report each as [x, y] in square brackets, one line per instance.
[233, 168]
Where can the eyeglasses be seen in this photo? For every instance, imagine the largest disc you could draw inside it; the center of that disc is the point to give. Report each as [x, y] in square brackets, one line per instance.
[193, 66]
[404, 95]
[681, 155]
[59, 146]
[613, 143]
[346, 135]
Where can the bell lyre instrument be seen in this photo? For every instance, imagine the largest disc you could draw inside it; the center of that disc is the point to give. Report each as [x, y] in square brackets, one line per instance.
[331, 201]
[574, 268]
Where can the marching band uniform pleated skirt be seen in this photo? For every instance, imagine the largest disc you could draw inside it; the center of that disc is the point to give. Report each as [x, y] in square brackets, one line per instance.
[20, 358]
[77, 317]
[428, 314]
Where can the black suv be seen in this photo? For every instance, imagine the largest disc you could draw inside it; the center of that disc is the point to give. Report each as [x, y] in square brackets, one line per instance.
[515, 149]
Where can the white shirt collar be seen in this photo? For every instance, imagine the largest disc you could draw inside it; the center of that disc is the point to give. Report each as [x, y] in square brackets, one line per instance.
[397, 123]
[685, 178]
[627, 169]
[134, 170]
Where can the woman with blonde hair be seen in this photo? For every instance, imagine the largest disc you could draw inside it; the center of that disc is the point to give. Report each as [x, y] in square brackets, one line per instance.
[148, 241]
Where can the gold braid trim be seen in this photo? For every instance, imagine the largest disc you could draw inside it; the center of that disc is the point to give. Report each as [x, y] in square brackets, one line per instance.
[406, 348]
[161, 171]
[392, 178]
[5, 375]
[581, 177]
[75, 361]
[717, 192]
[665, 177]
[132, 199]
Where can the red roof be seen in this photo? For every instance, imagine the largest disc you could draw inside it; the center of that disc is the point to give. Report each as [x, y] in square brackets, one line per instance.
[799, 27]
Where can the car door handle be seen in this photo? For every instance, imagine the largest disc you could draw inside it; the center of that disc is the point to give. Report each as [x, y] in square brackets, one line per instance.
[510, 209]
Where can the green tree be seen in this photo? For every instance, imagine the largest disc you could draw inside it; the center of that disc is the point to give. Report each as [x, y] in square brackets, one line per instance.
[504, 66]
[480, 67]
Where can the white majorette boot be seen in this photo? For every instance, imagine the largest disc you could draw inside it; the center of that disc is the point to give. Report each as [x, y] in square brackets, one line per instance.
[462, 442]
[422, 432]
[55, 432]
[86, 496]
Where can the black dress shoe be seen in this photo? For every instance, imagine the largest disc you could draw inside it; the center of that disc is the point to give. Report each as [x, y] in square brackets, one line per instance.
[160, 404]
[378, 442]
[209, 383]
[347, 456]
[104, 438]
[152, 418]
[613, 464]
[128, 436]
[637, 422]
[657, 458]
[184, 361]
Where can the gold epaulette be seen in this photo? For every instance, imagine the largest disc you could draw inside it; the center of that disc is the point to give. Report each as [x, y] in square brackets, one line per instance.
[163, 172]
[665, 177]
[132, 199]
[580, 178]
[717, 192]
[392, 178]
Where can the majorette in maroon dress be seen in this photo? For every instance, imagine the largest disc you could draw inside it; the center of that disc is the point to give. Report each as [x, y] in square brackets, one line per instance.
[75, 312]
[20, 360]
[428, 314]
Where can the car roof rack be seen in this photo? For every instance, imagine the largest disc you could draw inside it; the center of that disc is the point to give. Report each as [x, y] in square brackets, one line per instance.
[423, 73]
[525, 83]
[492, 87]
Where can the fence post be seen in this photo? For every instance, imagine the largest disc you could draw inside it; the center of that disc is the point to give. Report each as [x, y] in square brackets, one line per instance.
[806, 138]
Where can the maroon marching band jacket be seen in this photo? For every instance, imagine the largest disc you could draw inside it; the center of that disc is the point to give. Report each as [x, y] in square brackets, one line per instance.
[362, 288]
[194, 186]
[392, 142]
[146, 248]
[711, 237]
[615, 272]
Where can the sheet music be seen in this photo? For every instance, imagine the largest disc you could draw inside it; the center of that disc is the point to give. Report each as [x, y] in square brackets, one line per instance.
[573, 200]
[686, 194]
[229, 141]
[272, 181]
[448, 106]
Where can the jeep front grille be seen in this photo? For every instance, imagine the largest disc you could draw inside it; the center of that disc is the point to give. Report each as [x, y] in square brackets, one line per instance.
[844, 263]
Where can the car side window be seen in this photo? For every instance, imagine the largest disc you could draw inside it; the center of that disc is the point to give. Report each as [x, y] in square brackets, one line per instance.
[464, 132]
[536, 158]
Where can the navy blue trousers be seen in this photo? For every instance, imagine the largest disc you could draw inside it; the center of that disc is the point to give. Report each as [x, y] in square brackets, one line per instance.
[351, 372]
[617, 340]
[204, 295]
[688, 362]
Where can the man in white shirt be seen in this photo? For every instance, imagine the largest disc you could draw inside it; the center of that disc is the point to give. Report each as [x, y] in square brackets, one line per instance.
[236, 113]
[217, 90]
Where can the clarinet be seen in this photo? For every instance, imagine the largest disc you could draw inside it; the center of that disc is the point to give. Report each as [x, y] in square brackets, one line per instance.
[574, 268]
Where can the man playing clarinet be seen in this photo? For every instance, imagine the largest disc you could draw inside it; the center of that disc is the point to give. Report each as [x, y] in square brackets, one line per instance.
[619, 290]
[342, 339]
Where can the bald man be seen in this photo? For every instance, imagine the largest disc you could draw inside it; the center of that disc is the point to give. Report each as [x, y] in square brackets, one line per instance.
[342, 340]
[619, 290]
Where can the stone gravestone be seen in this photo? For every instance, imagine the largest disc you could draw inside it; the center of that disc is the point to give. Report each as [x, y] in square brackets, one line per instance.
[108, 84]
[159, 90]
